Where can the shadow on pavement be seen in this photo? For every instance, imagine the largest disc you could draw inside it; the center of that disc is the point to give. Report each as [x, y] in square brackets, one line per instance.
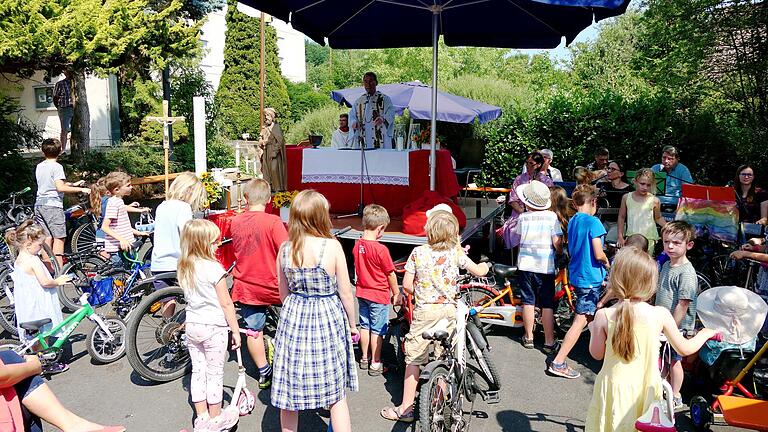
[517, 421]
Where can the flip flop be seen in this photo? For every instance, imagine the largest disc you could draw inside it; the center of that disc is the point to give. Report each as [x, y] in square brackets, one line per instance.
[392, 414]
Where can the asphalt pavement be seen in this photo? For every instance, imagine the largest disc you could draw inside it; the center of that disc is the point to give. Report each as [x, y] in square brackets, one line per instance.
[531, 400]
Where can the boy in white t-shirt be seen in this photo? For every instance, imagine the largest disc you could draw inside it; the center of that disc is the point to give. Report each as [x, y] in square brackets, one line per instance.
[540, 238]
[49, 203]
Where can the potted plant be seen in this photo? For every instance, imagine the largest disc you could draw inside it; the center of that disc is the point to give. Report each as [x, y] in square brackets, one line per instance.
[282, 200]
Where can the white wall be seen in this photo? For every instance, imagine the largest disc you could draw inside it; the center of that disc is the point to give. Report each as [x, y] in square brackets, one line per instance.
[47, 118]
[290, 45]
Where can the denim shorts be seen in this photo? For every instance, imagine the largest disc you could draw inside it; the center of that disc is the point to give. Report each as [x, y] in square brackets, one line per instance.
[537, 289]
[65, 118]
[586, 300]
[255, 316]
[374, 316]
[23, 389]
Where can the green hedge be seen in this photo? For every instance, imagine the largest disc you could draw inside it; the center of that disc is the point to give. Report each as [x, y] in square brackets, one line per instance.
[574, 124]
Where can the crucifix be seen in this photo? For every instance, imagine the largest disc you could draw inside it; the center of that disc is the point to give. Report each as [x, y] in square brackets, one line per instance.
[166, 120]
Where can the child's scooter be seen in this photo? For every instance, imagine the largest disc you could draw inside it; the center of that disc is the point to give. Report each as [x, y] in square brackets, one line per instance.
[243, 401]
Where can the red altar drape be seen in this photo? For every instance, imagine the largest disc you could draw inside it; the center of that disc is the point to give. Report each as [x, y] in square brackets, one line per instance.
[344, 197]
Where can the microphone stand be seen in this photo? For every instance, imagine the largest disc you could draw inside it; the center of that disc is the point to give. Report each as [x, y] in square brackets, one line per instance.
[361, 205]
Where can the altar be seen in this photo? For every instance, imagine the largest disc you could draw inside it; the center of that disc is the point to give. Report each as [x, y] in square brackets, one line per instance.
[391, 178]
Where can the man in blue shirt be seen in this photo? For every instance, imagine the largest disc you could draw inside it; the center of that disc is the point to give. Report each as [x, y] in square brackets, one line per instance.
[677, 175]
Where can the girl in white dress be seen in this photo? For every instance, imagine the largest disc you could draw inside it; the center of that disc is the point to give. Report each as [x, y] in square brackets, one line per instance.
[34, 290]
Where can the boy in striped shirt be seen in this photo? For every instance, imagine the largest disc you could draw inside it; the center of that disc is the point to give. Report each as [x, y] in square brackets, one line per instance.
[540, 239]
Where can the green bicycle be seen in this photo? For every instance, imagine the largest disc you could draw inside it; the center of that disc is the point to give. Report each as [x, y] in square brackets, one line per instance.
[105, 343]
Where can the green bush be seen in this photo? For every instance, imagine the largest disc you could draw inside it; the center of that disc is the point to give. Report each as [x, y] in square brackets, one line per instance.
[305, 99]
[321, 121]
[15, 171]
[218, 155]
[574, 124]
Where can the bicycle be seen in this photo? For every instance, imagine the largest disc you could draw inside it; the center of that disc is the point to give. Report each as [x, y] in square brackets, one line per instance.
[447, 381]
[156, 346]
[15, 211]
[105, 342]
[106, 283]
[502, 307]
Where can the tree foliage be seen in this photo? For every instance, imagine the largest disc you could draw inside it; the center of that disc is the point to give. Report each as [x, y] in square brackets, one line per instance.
[237, 97]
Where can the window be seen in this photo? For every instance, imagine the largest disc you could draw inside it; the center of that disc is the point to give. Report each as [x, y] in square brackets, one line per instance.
[44, 97]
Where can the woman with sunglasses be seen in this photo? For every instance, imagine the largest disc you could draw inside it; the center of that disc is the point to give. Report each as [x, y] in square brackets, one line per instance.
[748, 196]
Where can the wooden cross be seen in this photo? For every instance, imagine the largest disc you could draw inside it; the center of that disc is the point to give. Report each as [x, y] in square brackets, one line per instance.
[166, 120]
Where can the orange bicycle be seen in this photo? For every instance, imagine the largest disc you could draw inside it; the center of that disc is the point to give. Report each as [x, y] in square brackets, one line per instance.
[497, 303]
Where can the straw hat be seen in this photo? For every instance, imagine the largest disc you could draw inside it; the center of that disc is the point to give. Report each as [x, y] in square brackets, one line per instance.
[535, 195]
[439, 207]
[736, 312]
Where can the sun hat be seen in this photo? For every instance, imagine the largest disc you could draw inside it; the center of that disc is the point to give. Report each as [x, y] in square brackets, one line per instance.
[535, 195]
[736, 312]
[439, 207]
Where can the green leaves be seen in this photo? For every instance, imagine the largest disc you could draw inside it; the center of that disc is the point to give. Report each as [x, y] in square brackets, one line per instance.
[91, 35]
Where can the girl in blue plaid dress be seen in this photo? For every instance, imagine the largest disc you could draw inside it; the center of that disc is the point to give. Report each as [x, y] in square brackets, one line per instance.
[314, 363]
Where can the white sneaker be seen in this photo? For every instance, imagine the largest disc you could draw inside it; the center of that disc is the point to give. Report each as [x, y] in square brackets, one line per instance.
[202, 424]
[224, 421]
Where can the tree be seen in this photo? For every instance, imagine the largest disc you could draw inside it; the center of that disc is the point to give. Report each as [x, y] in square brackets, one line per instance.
[237, 97]
[90, 36]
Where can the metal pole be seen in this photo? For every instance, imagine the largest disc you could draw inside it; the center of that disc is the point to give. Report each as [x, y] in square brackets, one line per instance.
[167, 96]
[433, 124]
[261, 75]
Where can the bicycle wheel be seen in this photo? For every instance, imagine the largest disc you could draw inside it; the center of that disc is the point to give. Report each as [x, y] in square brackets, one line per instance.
[479, 296]
[721, 271]
[703, 280]
[84, 238]
[82, 274]
[55, 267]
[564, 314]
[10, 345]
[483, 357]
[7, 310]
[102, 350]
[155, 345]
[435, 398]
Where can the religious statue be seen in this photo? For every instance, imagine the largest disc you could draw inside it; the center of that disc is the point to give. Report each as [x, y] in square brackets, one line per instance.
[272, 144]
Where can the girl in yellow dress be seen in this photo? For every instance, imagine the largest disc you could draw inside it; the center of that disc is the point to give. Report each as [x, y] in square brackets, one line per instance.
[626, 337]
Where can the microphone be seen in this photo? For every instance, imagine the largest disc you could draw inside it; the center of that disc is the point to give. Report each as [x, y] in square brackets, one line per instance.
[597, 180]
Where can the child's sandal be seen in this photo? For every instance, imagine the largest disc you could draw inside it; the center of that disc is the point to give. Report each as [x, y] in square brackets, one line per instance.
[393, 414]
[364, 363]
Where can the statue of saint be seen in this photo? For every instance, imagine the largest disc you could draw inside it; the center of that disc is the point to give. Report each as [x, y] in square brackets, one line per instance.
[272, 144]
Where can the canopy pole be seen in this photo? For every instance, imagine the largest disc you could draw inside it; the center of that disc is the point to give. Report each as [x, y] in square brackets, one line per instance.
[433, 123]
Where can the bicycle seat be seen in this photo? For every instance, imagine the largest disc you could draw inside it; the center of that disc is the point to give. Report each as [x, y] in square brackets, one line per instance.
[34, 326]
[503, 271]
[439, 335]
[438, 332]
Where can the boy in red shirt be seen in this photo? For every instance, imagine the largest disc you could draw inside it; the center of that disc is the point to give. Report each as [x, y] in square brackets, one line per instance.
[376, 286]
[256, 239]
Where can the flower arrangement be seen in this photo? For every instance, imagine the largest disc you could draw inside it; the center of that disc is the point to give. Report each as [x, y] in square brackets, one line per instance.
[284, 199]
[212, 187]
[422, 137]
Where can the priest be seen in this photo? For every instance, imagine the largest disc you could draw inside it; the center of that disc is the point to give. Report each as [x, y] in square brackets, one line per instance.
[372, 117]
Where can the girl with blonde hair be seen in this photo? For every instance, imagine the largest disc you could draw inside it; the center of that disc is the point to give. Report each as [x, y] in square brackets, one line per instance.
[210, 315]
[626, 337]
[641, 210]
[314, 364]
[186, 195]
[430, 275]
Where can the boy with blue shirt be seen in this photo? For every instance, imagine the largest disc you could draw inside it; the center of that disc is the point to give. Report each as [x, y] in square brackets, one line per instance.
[586, 271]
[540, 238]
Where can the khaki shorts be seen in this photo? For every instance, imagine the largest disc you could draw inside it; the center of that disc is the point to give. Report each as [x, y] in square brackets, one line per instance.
[424, 317]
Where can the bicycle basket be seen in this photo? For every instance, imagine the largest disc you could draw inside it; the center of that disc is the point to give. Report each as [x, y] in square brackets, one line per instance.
[146, 223]
[101, 291]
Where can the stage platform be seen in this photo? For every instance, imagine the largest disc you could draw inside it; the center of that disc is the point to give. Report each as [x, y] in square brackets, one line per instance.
[479, 212]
